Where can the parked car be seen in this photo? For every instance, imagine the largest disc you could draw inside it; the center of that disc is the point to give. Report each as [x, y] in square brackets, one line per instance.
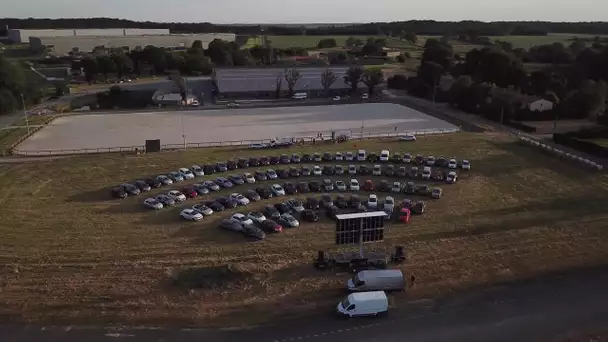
[409, 188]
[154, 182]
[422, 190]
[326, 200]
[306, 158]
[349, 156]
[377, 170]
[372, 201]
[438, 176]
[418, 208]
[352, 170]
[311, 203]
[236, 179]
[282, 173]
[317, 171]
[264, 192]
[316, 157]
[402, 172]
[221, 167]
[430, 161]
[295, 158]
[142, 185]
[271, 174]
[242, 219]
[314, 186]
[232, 165]
[270, 226]
[368, 185]
[404, 215]
[239, 198]
[260, 175]
[441, 161]
[396, 158]
[340, 186]
[253, 196]
[277, 190]
[396, 187]
[332, 211]
[389, 171]
[341, 202]
[227, 202]
[303, 187]
[407, 158]
[465, 165]
[231, 225]
[283, 208]
[389, 203]
[290, 188]
[130, 189]
[203, 209]
[223, 182]
[186, 173]
[274, 160]
[338, 156]
[310, 215]
[200, 189]
[436, 193]
[256, 216]
[165, 200]
[153, 203]
[364, 170]
[253, 162]
[407, 137]
[265, 161]
[328, 185]
[191, 214]
[354, 201]
[426, 173]
[372, 158]
[211, 186]
[305, 171]
[249, 178]
[327, 156]
[451, 177]
[295, 205]
[242, 163]
[215, 206]
[407, 203]
[293, 172]
[413, 172]
[354, 185]
[289, 221]
[177, 196]
[339, 170]
[419, 159]
[385, 156]
[209, 169]
[190, 191]
[284, 159]
[384, 186]
[328, 170]
[176, 176]
[271, 212]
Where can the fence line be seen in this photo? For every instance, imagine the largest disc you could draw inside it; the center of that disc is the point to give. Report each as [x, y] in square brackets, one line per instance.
[560, 153]
[354, 135]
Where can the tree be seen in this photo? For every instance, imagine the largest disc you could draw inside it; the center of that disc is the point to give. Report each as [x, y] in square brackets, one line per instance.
[353, 77]
[291, 77]
[327, 79]
[123, 63]
[106, 65]
[90, 68]
[220, 52]
[327, 43]
[373, 47]
[197, 45]
[279, 84]
[155, 57]
[14, 83]
[430, 73]
[439, 53]
[353, 42]
[459, 92]
[411, 37]
[372, 78]
[397, 82]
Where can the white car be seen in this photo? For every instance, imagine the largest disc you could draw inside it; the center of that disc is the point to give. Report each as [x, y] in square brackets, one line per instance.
[377, 171]
[271, 174]
[164, 179]
[436, 193]
[407, 158]
[451, 178]
[339, 156]
[186, 173]
[349, 156]
[258, 146]
[340, 186]
[256, 217]
[430, 161]
[317, 157]
[361, 155]
[240, 199]
[466, 165]
[396, 187]
[277, 190]
[176, 176]
[385, 155]
[372, 201]
[426, 173]
[336, 98]
[352, 170]
[317, 171]
[389, 203]
[249, 178]
[153, 203]
[365, 96]
[198, 171]
[176, 196]
[288, 220]
[242, 219]
[354, 185]
[452, 164]
[191, 214]
[407, 137]
[203, 209]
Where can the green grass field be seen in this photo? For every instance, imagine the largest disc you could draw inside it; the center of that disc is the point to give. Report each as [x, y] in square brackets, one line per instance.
[72, 255]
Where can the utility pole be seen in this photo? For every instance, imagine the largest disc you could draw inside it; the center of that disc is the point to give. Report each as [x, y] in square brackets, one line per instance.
[27, 123]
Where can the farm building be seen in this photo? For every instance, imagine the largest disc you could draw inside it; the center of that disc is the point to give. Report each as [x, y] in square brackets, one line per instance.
[65, 41]
[234, 83]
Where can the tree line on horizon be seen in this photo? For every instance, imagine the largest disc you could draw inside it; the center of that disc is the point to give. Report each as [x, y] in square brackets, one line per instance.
[421, 27]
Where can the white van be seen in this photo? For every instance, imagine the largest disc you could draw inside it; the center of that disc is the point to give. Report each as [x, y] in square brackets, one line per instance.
[426, 173]
[363, 304]
[384, 155]
[300, 96]
[361, 155]
[377, 280]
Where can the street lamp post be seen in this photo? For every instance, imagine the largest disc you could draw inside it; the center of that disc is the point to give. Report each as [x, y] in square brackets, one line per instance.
[27, 123]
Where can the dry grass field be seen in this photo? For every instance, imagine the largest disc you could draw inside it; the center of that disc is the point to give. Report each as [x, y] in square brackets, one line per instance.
[71, 255]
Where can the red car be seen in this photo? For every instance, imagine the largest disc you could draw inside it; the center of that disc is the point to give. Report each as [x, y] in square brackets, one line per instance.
[269, 226]
[369, 185]
[404, 215]
[190, 192]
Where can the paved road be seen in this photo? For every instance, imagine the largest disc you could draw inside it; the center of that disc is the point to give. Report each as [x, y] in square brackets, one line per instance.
[538, 310]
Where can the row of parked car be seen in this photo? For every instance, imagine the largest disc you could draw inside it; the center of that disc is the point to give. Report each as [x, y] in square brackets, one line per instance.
[287, 188]
[184, 173]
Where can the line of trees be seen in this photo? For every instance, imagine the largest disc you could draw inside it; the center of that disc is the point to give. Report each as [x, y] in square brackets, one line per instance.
[427, 27]
[15, 82]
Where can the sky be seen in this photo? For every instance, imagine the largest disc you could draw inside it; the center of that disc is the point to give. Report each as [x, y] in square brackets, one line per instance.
[309, 11]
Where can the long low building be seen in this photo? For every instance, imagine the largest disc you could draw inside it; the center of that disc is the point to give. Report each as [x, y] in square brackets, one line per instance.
[232, 83]
[23, 36]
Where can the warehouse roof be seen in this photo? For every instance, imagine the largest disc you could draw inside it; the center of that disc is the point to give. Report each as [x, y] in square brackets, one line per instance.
[265, 79]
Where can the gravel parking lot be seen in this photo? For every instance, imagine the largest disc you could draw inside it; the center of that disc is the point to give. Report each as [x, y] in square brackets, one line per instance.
[132, 129]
